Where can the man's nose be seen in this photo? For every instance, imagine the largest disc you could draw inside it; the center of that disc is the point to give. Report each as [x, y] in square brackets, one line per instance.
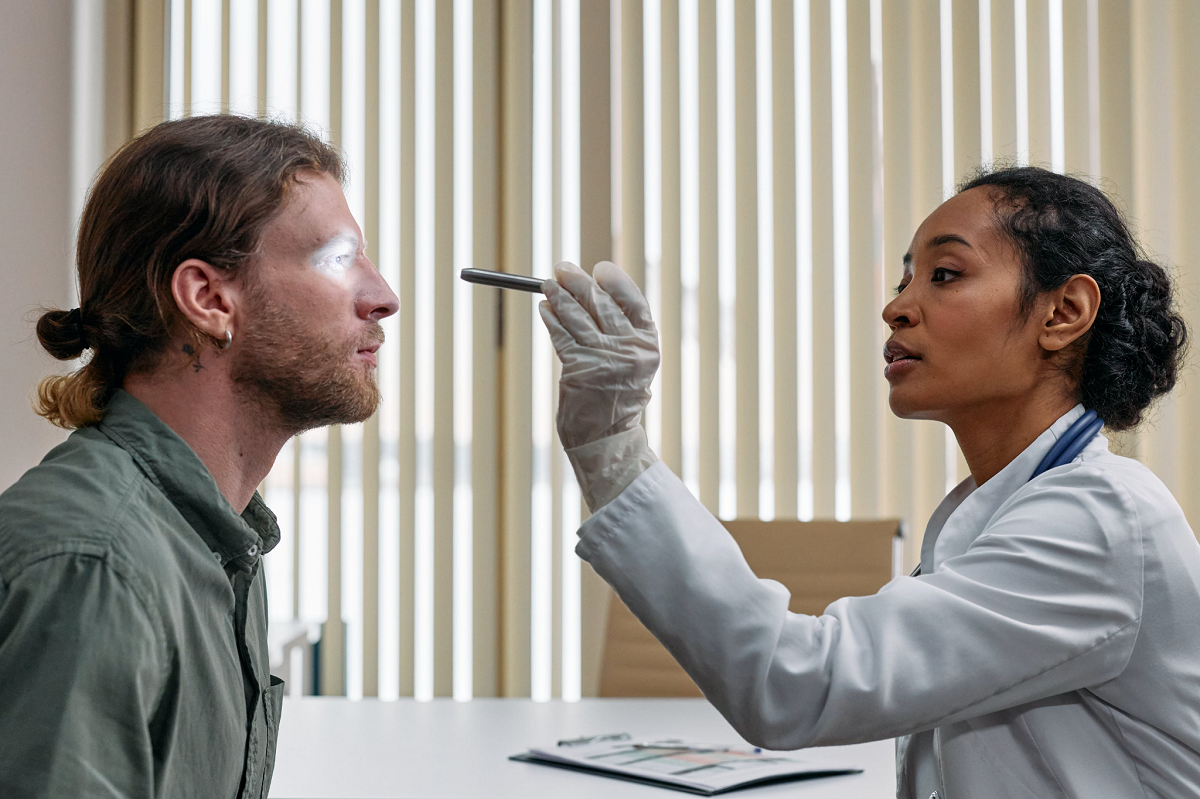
[377, 300]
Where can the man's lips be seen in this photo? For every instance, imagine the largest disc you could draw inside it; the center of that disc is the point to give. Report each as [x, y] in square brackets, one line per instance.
[368, 354]
[371, 343]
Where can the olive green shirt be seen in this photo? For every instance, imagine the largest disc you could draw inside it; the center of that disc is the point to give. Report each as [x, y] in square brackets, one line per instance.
[133, 623]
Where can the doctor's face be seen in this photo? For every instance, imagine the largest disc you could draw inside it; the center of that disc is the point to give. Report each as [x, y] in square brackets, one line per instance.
[959, 342]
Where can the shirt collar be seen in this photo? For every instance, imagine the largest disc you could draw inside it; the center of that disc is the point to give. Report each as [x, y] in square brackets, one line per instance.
[178, 472]
[971, 507]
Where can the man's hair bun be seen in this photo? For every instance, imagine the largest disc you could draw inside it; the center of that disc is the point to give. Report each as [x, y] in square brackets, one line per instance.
[61, 334]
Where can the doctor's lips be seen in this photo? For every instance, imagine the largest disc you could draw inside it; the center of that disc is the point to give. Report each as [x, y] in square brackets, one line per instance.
[898, 357]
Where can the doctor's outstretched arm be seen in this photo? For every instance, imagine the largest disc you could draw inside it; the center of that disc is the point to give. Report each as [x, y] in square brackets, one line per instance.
[1019, 616]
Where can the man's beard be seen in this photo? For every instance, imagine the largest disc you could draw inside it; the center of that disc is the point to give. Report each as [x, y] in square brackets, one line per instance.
[301, 378]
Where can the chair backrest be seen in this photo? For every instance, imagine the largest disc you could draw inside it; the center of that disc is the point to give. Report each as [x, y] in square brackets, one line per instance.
[819, 562]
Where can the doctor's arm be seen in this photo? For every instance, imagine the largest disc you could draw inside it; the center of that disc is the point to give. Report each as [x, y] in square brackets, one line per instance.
[1047, 599]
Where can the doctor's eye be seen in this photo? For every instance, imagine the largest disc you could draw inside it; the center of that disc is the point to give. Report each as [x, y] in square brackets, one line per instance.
[900, 287]
[941, 274]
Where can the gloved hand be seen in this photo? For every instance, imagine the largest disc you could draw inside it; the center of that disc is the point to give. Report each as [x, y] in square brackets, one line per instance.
[608, 345]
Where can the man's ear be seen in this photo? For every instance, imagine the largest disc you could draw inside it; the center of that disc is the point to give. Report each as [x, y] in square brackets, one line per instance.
[1071, 314]
[206, 297]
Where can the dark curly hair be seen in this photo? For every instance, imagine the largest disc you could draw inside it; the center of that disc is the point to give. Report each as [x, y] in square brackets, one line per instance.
[1063, 226]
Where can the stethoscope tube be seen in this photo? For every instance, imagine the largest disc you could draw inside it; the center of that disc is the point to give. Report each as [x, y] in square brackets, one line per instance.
[1067, 448]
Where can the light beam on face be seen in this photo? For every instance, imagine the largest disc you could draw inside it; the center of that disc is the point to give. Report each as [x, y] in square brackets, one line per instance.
[336, 256]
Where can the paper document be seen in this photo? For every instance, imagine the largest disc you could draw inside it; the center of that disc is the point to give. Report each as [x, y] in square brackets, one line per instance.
[705, 769]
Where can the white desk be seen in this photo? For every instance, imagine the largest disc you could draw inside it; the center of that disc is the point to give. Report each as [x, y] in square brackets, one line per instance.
[338, 749]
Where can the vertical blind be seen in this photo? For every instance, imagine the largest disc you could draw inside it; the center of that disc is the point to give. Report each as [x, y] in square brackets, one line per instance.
[759, 168]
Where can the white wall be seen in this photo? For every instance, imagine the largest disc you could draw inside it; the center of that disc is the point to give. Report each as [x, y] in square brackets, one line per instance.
[35, 215]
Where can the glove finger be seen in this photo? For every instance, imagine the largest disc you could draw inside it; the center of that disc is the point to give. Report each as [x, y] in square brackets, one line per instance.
[609, 316]
[625, 293]
[574, 280]
[610, 319]
[560, 337]
[568, 269]
[572, 316]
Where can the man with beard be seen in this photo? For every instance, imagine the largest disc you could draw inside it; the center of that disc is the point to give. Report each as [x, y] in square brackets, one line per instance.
[227, 304]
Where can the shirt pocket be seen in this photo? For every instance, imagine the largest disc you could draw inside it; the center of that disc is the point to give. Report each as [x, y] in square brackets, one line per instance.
[272, 708]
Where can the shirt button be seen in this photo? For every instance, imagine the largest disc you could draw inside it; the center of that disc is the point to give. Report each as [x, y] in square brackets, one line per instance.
[253, 550]
[217, 555]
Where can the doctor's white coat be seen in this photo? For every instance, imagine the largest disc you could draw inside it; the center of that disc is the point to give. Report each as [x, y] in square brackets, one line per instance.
[1050, 648]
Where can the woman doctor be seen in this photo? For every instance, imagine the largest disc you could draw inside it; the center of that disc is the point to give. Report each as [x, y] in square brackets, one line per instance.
[1050, 646]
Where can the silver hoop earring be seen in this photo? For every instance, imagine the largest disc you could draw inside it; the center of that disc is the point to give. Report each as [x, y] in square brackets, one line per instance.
[228, 340]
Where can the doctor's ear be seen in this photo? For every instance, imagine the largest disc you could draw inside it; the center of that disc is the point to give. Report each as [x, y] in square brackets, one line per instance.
[1072, 311]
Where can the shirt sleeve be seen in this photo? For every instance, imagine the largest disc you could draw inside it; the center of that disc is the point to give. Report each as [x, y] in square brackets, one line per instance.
[1045, 601]
[79, 674]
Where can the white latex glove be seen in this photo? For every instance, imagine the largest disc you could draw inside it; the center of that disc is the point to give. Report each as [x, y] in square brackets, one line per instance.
[608, 345]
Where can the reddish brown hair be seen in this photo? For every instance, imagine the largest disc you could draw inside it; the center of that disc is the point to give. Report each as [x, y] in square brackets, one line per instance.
[203, 187]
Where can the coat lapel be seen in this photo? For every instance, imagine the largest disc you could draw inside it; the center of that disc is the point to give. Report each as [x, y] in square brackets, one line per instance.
[967, 510]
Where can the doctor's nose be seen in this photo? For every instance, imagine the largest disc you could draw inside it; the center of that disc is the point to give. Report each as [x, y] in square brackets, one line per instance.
[898, 313]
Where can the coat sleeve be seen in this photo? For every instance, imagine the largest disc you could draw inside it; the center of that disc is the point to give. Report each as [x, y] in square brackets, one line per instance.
[79, 673]
[1047, 600]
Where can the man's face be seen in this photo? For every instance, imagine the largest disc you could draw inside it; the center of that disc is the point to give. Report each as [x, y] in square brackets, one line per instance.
[311, 324]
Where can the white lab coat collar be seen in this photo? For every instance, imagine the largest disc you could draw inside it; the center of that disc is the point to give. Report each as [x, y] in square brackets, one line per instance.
[965, 511]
